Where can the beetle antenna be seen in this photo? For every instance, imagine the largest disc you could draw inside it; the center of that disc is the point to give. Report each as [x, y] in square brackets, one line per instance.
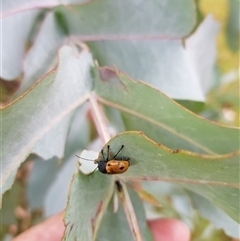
[84, 158]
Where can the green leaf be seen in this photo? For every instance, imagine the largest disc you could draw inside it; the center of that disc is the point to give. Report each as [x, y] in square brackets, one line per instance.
[86, 193]
[116, 223]
[160, 118]
[61, 22]
[214, 177]
[51, 178]
[26, 120]
[166, 18]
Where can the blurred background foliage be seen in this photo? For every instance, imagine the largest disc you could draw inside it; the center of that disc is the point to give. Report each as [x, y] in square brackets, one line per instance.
[223, 101]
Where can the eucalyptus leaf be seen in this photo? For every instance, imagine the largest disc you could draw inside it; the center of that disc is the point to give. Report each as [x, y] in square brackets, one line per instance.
[158, 39]
[53, 142]
[119, 224]
[147, 48]
[162, 63]
[27, 119]
[86, 193]
[214, 177]
[132, 18]
[160, 118]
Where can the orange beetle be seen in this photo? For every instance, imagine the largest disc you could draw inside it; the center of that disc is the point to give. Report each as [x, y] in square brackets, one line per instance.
[116, 165]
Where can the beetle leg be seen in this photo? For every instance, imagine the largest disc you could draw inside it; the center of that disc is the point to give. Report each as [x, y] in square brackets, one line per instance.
[118, 152]
[108, 150]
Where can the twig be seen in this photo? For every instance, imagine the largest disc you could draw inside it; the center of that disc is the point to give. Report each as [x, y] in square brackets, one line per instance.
[99, 119]
[129, 210]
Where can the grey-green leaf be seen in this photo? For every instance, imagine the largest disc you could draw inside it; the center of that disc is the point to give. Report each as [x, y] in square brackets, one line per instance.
[27, 119]
[85, 196]
[114, 226]
[214, 177]
[160, 118]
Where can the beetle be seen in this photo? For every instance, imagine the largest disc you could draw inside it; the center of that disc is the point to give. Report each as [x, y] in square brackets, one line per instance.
[115, 165]
[112, 165]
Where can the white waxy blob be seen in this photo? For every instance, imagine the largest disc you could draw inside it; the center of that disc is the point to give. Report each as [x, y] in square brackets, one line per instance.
[87, 166]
